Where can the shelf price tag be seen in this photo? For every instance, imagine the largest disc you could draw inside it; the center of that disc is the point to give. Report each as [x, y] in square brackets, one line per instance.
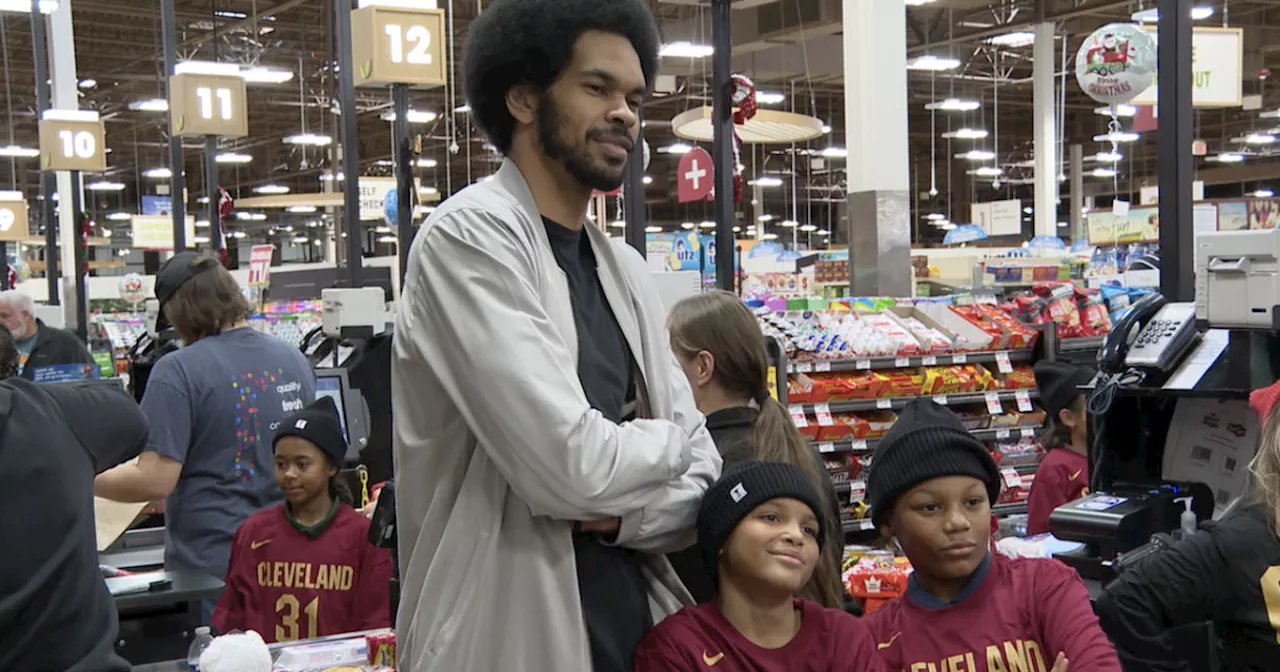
[858, 493]
[398, 45]
[823, 411]
[1012, 478]
[902, 362]
[822, 366]
[1003, 363]
[859, 446]
[797, 415]
[1024, 401]
[941, 400]
[826, 447]
[960, 359]
[884, 404]
[804, 367]
[929, 360]
[863, 365]
[1003, 435]
[1028, 434]
[994, 407]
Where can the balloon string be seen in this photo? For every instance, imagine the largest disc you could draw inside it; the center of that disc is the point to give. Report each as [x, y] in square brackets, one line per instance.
[1113, 127]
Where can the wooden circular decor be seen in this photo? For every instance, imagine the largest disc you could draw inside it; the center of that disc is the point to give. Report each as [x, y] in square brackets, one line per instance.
[767, 127]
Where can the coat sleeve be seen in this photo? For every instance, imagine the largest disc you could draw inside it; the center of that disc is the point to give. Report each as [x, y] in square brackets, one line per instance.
[1067, 622]
[229, 613]
[1175, 587]
[473, 315]
[107, 421]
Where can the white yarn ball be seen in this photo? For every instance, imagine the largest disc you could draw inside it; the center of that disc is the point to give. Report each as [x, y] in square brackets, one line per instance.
[242, 652]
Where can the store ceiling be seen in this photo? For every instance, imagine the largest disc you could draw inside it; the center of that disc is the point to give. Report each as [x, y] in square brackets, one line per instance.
[790, 47]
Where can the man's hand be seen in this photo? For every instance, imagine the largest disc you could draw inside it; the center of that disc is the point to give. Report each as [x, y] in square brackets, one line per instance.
[606, 526]
[1060, 664]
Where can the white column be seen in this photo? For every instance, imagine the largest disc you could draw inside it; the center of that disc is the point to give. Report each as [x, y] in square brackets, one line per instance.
[62, 72]
[1046, 132]
[879, 207]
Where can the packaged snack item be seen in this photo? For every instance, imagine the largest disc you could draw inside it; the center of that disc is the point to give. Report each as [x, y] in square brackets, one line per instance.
[877, 580]
[1094, 318]
[382, 648]
[973, 416]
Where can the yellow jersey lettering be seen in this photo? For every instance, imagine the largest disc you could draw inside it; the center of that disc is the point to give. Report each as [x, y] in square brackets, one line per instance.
[920, 667]
[1015, 654]
[968, 663]
[348, 577]
[322, 577]
[277, 572]
[954, 663]
[1035, 655]
[995, 662]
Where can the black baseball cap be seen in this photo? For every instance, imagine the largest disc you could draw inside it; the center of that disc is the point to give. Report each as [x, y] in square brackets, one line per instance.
[174, 273]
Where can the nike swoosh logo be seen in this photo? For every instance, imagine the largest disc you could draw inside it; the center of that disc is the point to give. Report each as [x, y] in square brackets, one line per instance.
[1075, 475]
[885, 645]
[712, 660]
[259, 544]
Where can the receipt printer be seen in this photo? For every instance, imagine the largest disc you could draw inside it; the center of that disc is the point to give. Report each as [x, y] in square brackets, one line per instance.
[1238, 278]
[1122, 519]
[354, 313]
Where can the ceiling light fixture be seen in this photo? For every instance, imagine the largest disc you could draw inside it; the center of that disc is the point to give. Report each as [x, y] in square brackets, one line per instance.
[706, 225]
[302, 209]
[261, 75]
[312, 139]
[808, 228]
[766, 182]
[769, 236]
[150, 105]
[161, 173]
[119, 217]
[1228, 157]
[769, 97]
[953, 105]
[648, 180]
[206, 68]
[1263, 193]
[16, 152]
[1153, 14]
[687, 226]
[789, 223]
[966, 134]
[426, 163]
[1105, 157]
[835, 152]
[462, 108]
[686, 50]
[935, 217]
[87, 83]
[977, 155]
[1104, 172]
[653, 229]
[414, 116]
[1013, 40]
[676, 148]
[105, 186]
[933, 63]
[1117, 136]
[271, 189]
[232, 157]
[1258, 139]
[1120, 111]
[987, 171]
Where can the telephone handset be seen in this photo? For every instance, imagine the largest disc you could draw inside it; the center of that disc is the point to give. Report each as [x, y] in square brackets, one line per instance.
[1150, 335]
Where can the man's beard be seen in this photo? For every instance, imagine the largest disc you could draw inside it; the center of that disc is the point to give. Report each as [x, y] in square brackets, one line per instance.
[576, 160]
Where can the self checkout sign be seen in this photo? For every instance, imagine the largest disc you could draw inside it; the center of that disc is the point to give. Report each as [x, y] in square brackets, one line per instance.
[208, 99]
[398, 42]
[72, 140]
[13, 216]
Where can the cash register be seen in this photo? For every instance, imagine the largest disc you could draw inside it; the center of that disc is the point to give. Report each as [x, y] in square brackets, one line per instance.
[1121, 520]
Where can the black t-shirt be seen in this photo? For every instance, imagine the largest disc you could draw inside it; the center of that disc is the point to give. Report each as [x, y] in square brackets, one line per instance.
[1228, 573]
[614, 592]
[55, 611]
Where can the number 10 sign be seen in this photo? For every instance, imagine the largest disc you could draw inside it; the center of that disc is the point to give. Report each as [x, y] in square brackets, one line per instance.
[72, 140]
[398, 45]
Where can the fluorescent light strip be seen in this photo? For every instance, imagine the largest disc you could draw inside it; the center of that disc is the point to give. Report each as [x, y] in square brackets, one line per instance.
[70, 115]
[206, 68]
[16, 152]
[686, 50]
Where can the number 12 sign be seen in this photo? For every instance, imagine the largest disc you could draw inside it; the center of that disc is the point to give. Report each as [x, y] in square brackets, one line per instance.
[398, 45]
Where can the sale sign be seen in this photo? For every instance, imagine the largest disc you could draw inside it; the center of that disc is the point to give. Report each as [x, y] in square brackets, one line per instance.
[695, 176]
[260, 265]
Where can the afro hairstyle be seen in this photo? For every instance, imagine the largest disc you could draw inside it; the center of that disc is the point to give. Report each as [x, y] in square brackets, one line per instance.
[516, 42]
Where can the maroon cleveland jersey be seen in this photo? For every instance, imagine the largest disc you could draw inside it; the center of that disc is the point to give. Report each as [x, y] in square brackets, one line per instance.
[700, 638]
[1063, 476]
[1020, 617]
[288, 586]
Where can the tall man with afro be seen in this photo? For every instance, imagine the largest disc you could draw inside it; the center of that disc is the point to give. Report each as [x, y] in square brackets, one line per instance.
[547, 448]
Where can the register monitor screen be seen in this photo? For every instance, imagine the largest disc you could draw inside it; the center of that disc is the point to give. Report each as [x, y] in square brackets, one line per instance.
[333, 383]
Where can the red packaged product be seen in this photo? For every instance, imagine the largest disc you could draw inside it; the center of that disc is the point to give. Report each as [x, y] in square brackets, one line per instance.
[1094, 318]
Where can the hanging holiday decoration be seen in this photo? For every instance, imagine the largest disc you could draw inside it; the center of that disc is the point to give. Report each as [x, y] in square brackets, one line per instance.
[86, 229]
[132, 290]
[1116, 63]
[742, 94]
[225, 203]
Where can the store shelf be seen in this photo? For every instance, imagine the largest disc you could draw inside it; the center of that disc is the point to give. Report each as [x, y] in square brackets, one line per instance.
[860, 525]
[880, 363]
[865, 446]
[1009, 509]
[1022, 469]
[887, 403]
[1081, 344]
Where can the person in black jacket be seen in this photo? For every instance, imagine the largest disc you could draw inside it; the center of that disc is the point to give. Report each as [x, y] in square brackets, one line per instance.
[1227, 572]
[55, 611]
[39, 345]
[718, 343]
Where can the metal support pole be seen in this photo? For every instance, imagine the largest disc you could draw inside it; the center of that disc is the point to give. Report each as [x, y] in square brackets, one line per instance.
[404, 176]
[1046, 133]
[722, 129]
[1173, 151]
[350, 148]
[633, 193]
[177, 182]
[48, 181]
[78, 257]
[211, 190]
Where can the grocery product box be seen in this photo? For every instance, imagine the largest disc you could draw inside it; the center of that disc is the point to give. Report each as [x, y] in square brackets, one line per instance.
[968, 336]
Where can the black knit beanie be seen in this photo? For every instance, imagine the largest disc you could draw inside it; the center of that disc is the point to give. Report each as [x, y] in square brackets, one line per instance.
[741, 489]
[1059, 384]
[319, 424]
[928, 441]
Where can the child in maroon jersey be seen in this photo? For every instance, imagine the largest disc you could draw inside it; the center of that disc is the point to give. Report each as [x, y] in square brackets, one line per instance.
[760, 533]
[1063, 475]
[966, 608]
[306, 568]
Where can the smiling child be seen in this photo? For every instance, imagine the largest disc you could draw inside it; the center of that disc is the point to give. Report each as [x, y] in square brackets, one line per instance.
[967, 609]
[760, 533]
[306, 568]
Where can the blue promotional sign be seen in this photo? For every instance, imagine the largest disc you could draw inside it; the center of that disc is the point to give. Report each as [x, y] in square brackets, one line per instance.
[62, 373]
[157, 205]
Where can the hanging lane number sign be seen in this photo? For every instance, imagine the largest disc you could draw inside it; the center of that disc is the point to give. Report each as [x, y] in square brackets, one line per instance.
[398, 45]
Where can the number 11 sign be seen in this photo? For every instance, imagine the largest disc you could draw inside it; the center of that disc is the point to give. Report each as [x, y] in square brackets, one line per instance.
[206, 104]
[398, 43]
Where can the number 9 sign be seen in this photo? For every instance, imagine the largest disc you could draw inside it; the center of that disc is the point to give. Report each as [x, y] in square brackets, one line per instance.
[398, 45]
[13, 218]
